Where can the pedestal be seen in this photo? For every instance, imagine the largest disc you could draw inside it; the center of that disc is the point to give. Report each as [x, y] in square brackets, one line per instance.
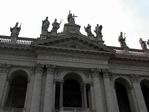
[72, 28]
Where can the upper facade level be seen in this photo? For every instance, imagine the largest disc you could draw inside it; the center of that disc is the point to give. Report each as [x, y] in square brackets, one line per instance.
[71, 39]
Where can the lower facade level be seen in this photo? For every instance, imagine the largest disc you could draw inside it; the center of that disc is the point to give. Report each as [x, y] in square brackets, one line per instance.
[58, 89]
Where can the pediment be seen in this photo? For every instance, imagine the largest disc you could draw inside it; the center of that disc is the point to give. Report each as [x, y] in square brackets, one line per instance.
[75, 43]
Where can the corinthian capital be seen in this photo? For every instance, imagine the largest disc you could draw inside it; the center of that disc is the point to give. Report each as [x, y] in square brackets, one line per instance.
[38, 68]
[51, 68]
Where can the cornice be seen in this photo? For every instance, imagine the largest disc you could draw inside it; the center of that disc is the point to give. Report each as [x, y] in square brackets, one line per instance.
[132, 58]
[82, 51]
[15, 46]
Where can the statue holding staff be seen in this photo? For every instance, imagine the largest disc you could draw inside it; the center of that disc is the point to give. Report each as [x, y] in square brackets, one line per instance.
[122, 41]
[71, 18]
[15, 30]
[56, 26]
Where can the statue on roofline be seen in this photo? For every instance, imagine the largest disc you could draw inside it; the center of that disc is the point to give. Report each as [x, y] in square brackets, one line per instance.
[122, 41]
[56, 26]
[71, 18]
[88, 30]
[143, 44]
[98, 32]
[45, 26]
[148, 42]
[15, 30]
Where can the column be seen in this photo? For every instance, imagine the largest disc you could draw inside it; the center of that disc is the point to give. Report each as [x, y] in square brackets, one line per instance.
[54, 89]
[84, 96]
[139, 96]
[61, 95]
[3, 79]
[29, 92]
[115, 101]
[35, 103]
[48, 102]
[99, 105]
[92, 98]
[108, 92]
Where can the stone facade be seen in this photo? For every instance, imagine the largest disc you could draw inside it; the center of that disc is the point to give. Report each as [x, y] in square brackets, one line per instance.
[105, 78]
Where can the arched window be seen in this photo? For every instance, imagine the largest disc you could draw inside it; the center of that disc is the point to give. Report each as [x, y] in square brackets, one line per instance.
[145, 91]
[17, 90]
[122, 95]
[72, 91]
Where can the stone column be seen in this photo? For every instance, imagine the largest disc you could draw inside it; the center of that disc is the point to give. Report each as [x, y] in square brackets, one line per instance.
[99, 105]
[54, 89]
[92, 98]
[84, 96]
[3, 79]
[61, 95]
[115, 100]
[48, 102]
[26, 106]
[108, 92]
[139, 96]
[36, 92]
[30, 87]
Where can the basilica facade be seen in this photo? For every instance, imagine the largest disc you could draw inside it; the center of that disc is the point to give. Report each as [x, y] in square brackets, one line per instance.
[71, 72]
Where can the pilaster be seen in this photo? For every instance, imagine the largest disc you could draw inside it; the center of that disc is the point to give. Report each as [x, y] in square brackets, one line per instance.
[48, 98]
[108, 91]
[3, 78]
[36, 92]
[140, 102]
[61, 95]
[99, 104]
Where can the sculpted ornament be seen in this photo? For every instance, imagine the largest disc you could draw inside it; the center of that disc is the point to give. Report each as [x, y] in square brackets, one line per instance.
[122, 41]
[98, 32]
[56, 26]
[148, 42]
[45, 26]
[88, 30]
[71, 18]
[143, 44]
[15, 30]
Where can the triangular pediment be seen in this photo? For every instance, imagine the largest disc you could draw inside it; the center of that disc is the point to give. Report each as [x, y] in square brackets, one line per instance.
[73, 42]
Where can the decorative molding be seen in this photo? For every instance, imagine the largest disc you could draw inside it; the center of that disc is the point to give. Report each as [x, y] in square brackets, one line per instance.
[134, 78]
[52, 69]
[4, 68]
[39, 68]
[95, 70]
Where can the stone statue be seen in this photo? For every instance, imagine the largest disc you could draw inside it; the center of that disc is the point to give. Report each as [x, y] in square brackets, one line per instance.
[143, 44]
[148, 42]
[56, 26]
[98, 31]
[45, 26]
[122, 39]
[71, 18]
[88, 30]
[15, 30]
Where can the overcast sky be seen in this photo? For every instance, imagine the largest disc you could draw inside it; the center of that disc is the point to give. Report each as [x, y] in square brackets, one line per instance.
[129, 16]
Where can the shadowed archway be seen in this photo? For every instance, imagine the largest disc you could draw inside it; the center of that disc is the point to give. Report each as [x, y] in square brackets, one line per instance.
[17, 90]
[72, 96]
[121, 88]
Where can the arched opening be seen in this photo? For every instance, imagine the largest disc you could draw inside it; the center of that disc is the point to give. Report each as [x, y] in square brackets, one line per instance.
[17, 90]
[72, 91]
[145, 91]
[122, 96]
